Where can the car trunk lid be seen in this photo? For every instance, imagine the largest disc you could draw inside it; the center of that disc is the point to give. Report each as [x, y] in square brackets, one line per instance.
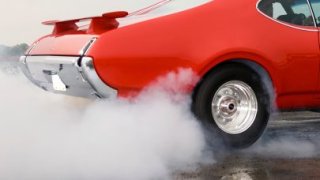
[68, 45]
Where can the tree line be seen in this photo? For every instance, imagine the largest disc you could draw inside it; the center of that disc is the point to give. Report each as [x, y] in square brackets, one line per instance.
[16, 50]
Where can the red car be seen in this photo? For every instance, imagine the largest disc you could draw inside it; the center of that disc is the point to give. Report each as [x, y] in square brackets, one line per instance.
[250, 55]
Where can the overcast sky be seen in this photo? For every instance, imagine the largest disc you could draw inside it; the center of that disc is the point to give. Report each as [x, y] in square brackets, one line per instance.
[21, 19]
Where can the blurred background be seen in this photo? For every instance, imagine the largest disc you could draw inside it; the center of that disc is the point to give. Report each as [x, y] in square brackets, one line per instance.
[21, 20]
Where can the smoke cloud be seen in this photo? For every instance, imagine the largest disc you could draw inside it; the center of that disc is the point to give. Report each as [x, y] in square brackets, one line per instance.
[289, 139]
[286, 147]
[47, 136]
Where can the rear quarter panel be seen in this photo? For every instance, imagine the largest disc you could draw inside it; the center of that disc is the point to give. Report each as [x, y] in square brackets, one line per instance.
[131, 57]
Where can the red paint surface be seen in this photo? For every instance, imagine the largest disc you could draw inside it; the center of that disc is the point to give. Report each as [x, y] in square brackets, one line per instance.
[130, 57]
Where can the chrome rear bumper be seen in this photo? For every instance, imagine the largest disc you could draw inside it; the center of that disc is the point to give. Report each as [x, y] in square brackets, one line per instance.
[75, 76]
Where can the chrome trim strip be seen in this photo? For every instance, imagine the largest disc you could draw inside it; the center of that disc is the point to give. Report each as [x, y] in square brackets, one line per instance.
[24, 68]
[55, 60]
[32, 47]
[313, 14]
[285, 24]
[90, 74]
[87, 47]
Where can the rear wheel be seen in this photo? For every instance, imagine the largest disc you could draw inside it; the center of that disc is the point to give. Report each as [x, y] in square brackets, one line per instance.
[233, 102]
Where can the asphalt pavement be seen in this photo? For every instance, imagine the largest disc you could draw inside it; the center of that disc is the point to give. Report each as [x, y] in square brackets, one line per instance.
[288, 150]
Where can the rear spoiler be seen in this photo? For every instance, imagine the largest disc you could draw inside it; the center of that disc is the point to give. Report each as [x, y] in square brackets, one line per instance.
[99, 24]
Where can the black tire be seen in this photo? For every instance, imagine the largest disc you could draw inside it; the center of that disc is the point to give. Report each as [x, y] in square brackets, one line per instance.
[205, 92]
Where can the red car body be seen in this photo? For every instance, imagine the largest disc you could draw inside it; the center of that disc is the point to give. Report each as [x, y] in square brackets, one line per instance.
[128, 57]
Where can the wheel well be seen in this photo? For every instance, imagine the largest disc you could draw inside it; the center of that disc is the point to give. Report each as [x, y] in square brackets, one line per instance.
[257, 68]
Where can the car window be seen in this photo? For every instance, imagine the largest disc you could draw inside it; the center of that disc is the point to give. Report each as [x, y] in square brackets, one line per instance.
[295, 12]
[316, 9]
[278, 10]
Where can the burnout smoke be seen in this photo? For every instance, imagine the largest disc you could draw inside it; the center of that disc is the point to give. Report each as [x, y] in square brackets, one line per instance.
[286, 147]
[47, 136]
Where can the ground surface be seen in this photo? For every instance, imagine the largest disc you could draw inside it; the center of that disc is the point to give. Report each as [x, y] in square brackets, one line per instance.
[288, 150]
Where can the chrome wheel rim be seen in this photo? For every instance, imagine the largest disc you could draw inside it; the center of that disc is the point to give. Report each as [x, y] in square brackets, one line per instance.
[234, 107]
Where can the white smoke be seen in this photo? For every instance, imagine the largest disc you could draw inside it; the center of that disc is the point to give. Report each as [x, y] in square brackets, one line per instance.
[289, 138]
[286, 147]
[47, 136]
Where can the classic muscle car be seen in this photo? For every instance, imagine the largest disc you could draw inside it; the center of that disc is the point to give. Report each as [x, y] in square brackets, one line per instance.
[250, 55]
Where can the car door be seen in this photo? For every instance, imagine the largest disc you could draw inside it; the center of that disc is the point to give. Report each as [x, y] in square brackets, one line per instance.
[296, 43]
